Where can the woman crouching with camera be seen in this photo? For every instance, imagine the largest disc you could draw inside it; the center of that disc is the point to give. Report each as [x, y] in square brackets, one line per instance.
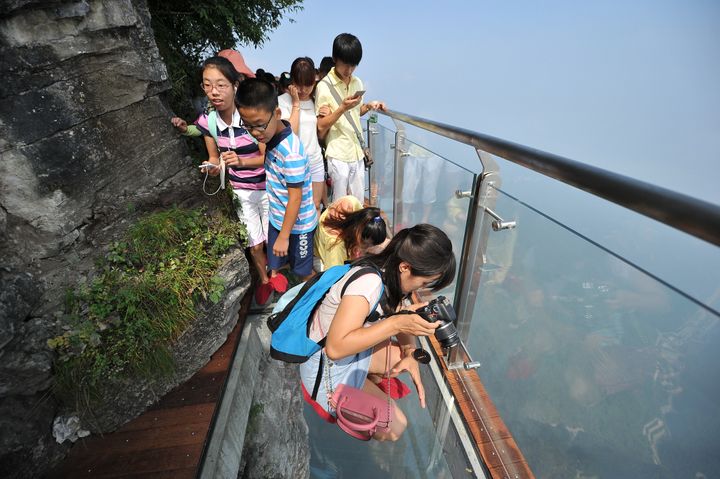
[359, 350]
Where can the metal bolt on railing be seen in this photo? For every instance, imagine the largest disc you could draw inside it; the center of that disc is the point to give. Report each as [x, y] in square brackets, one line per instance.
[499, 223]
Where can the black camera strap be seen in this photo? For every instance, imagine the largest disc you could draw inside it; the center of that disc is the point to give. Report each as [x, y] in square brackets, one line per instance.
[402, 311]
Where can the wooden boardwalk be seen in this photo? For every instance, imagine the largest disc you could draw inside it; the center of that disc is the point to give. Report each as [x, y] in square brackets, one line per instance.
[169, 440]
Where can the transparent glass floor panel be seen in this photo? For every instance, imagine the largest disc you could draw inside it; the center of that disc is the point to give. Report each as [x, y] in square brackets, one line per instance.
[418, 454]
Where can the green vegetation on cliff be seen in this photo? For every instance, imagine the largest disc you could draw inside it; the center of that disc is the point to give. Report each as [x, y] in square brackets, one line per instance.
[144, 294]
[186, 31]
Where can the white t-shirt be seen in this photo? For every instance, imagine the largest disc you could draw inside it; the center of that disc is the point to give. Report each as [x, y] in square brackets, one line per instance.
[308, 125]
[369, 286]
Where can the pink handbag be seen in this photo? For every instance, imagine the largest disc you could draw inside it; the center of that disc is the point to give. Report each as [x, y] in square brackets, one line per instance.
[361, 414]
[358, 413]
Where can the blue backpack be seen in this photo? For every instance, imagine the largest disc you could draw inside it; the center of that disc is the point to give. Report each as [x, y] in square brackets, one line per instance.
[291, 318]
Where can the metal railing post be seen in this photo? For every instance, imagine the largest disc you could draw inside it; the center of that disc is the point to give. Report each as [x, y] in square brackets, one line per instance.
[472, 257]
[372, 182]
[399, 148]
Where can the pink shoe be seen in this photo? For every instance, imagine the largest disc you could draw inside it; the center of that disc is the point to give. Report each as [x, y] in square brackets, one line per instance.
[263, 293]
[279, 283]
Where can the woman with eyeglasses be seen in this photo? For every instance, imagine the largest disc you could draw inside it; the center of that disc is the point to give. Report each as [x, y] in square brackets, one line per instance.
[231, 147]
[297, 107]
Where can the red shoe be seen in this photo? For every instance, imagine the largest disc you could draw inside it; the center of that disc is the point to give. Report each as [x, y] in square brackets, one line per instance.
[263, 293]
[398, 389]
[279, 283]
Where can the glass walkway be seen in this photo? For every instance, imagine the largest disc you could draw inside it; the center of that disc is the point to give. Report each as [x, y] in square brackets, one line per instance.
[578, 358]
[597, 366]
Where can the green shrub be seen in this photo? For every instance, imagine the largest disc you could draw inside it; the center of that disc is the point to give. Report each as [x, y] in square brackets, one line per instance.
[144, 294]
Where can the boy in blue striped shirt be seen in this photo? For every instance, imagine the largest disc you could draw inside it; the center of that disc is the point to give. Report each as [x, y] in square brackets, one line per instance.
[292, 213]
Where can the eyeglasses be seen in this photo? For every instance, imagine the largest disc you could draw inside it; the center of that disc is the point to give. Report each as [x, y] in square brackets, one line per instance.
[220, 87]
[258, 128]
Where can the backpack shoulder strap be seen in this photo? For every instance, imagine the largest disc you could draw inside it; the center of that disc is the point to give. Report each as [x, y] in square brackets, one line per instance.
[212, 126]
[374, 316]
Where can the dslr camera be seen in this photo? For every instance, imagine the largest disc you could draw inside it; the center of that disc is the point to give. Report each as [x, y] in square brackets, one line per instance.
[440, 309]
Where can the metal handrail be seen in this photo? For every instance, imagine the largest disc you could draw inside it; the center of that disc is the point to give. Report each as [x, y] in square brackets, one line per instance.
[691, 215]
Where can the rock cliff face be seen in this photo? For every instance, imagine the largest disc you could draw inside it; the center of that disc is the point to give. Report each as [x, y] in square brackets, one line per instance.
[125, 400]
[86, 146]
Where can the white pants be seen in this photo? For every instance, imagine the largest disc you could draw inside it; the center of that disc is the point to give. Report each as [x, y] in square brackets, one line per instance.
[253, 211]
[347, 178]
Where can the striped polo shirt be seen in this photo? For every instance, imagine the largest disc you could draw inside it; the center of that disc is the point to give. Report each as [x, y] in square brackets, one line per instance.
[237, 139]
[287, 166]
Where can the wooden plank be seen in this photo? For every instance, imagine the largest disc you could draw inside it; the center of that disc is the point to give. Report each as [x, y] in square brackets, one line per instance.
[516, 470]
[149, 461]
[202, 388]
[171, 417]
[157, 438]
[188, 473]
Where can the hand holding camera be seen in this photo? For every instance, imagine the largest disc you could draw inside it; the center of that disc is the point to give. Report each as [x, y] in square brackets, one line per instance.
[414, 323]
[440, 309]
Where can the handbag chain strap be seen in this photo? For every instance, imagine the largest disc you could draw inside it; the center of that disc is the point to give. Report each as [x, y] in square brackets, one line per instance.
[328, 381]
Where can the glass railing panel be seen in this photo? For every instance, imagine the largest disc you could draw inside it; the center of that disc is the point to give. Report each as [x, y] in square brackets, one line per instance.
[382, 142]
[598, 369]
[426, 193]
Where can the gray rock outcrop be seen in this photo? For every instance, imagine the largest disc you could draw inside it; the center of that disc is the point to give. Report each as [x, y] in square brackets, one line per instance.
[125, 400]
[276, 438]
[86, 147]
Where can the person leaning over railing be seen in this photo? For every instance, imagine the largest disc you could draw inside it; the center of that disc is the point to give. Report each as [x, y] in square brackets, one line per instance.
[347, 231]
[356, 349]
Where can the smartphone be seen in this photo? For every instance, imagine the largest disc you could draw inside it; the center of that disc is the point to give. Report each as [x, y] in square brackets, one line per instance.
[358, 93]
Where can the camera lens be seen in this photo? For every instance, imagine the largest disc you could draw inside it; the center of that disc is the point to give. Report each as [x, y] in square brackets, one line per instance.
[447, 335]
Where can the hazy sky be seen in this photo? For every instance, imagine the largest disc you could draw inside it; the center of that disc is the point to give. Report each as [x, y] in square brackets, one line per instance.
[631, 86]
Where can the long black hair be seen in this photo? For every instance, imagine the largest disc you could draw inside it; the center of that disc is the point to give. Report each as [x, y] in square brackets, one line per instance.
[427, 250]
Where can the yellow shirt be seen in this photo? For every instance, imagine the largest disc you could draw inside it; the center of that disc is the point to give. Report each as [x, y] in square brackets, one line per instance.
[327, 247]
[341, 141]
